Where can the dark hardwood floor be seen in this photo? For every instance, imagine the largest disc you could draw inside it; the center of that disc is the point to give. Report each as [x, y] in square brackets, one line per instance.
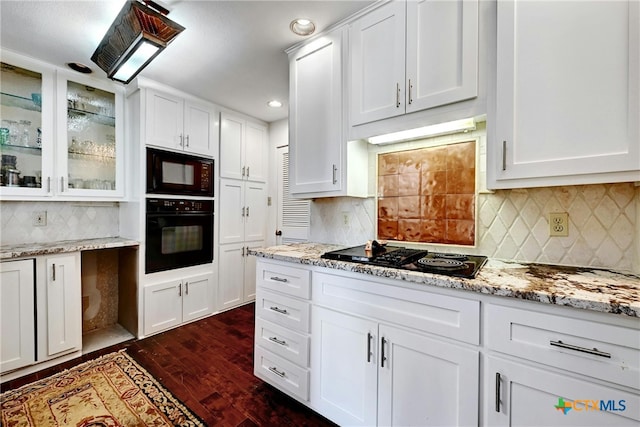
[208, 365]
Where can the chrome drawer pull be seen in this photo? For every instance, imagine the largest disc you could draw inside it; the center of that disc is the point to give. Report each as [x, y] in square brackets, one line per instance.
[277, 341]
[279, 279]
[498, 391]
[593, 351]
[279, 310]
[275, 371]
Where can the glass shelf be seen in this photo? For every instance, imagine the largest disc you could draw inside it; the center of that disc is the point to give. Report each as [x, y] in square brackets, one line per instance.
[91, 156]
[19, 102]
[21, 148]
[94, 117]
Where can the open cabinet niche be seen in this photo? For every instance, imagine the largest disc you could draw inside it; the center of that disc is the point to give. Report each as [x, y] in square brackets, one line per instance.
[109, 302]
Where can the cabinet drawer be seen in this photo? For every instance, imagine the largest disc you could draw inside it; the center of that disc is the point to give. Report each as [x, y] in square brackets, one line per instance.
[451, 317]
[287, 280]
[608, 352]
[288, 312]
[283, 342]
[281, 373]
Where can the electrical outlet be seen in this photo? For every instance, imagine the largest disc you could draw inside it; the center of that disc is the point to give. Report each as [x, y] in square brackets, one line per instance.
[558, 224]
[40, 218]
[346, 218]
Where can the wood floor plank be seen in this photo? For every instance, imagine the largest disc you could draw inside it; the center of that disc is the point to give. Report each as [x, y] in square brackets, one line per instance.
[208, 365]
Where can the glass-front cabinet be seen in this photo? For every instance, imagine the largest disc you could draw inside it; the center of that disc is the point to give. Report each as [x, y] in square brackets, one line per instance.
[26, 127]
[61, 134]
[90, 138]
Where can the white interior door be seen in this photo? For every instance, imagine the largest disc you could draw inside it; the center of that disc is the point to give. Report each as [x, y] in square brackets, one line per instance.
[294, 215]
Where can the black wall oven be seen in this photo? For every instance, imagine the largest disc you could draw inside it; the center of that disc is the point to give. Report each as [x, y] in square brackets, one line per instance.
[179, 233]
[179, 174]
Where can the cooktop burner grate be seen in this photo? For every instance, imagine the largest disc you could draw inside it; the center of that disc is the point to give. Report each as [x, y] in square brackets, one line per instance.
[418, 260]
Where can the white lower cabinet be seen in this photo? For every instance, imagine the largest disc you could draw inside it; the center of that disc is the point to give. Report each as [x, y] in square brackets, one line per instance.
[282, 328]
[344, 375]
[365, 351]
[237, 274]
[569, 371]
[172, 303]
[366, 373]
[17, 314]
[59, 305]
[522, 395]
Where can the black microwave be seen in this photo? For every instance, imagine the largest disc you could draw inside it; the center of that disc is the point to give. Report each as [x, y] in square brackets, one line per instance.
[179, 174]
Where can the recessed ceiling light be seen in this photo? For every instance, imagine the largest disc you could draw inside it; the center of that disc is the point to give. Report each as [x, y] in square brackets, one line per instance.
[274, 103]
[302, 26]
[81, 68]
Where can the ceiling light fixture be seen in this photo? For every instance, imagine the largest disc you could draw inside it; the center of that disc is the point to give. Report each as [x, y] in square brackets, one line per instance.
[79, 67]
[456, 126]
[137, 35]
[302, 27]
[274, 103]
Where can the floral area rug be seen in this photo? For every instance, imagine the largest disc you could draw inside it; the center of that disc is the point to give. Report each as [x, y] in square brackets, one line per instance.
[110, 391]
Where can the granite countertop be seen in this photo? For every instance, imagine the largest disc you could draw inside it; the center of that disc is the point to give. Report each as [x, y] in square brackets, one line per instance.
[581, 287]
[33, 249]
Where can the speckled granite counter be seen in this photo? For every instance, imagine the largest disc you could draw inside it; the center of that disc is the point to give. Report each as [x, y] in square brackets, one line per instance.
[33, 249]
[592, 289]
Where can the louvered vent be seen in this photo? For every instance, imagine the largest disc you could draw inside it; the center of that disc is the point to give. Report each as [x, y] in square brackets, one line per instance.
[296, 213]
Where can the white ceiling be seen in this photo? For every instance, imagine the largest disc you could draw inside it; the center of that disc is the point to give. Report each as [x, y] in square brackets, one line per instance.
[231, 53]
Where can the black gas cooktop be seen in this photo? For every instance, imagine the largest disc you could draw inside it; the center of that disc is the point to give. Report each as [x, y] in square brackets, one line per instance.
[421, 260]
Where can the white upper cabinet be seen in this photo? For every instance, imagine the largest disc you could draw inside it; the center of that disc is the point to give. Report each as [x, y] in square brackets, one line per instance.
[567, 94]
[90, 154]
[321, 162]
[411, 56]
[377, 53]
[62, 134]
[243, 149]
[180, 124]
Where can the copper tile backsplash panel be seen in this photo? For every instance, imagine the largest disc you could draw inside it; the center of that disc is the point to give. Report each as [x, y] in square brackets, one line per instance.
[428, 195]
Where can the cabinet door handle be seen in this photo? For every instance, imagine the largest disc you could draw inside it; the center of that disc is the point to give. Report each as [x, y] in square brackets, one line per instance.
[187, 140]
[279, 279]
[382, 356]
[498, 383]
[243, 211]
[335, 174]
[53, 273]
[243, 170]
[243, 251]
[397, 95]
[181, 141]
[62, 184]
[369, 338]
[279, 310]
[180, 290]
[247, 171]
[504, 155]
[410, 91]
[48, 184]
[277, 341]
[273, 369]
[186, 288]
[247, 210]
[593, 351]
